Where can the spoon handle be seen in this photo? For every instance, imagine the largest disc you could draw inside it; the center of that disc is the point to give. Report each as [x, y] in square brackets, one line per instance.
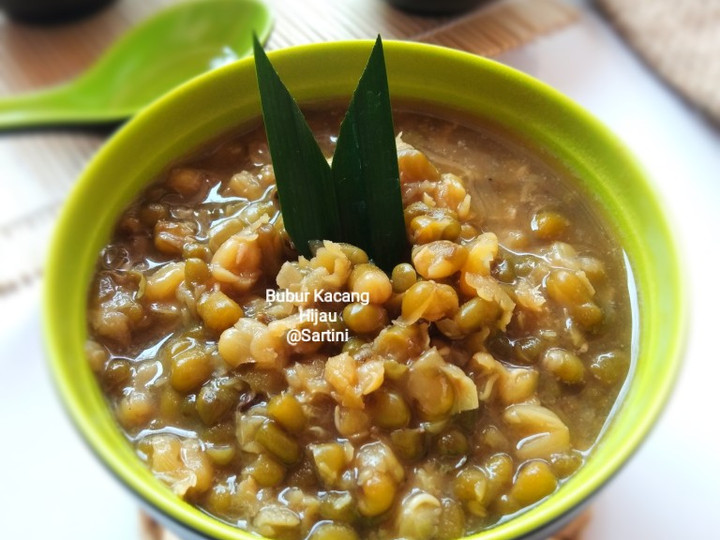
[60, 105]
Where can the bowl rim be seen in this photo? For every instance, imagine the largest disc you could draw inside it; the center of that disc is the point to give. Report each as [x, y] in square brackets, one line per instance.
[527, 521]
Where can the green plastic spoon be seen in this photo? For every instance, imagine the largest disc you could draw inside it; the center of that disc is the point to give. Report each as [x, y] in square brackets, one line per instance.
[169, 48]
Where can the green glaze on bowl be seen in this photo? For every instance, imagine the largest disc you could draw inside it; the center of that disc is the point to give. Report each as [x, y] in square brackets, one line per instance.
[531, 111]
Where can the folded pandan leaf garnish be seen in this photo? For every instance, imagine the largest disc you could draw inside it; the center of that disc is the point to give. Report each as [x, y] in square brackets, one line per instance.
[357, 200]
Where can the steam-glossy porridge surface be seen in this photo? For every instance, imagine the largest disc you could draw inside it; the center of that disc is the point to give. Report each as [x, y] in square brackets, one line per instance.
[439, 398]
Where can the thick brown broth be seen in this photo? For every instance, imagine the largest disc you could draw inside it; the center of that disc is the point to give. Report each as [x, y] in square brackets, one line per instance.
[472, 383]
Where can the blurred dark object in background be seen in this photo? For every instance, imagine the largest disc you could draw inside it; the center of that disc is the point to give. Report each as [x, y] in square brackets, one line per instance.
[50, 11]
[434, 7]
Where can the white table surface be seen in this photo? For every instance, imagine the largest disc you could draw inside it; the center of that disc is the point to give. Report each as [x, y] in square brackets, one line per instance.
[51, 486]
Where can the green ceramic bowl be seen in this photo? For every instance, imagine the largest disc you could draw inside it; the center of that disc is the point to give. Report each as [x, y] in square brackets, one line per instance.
[534, 113]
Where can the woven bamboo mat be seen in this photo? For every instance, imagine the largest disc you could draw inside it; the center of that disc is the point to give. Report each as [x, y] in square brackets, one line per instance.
[680, 40]
[37, 168]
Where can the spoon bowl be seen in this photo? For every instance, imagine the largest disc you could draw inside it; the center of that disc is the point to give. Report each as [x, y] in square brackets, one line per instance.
[160, 53]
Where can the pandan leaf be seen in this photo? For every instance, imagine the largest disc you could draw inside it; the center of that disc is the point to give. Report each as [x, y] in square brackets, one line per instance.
[303, 176]
[358, 200]
[365, 169]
